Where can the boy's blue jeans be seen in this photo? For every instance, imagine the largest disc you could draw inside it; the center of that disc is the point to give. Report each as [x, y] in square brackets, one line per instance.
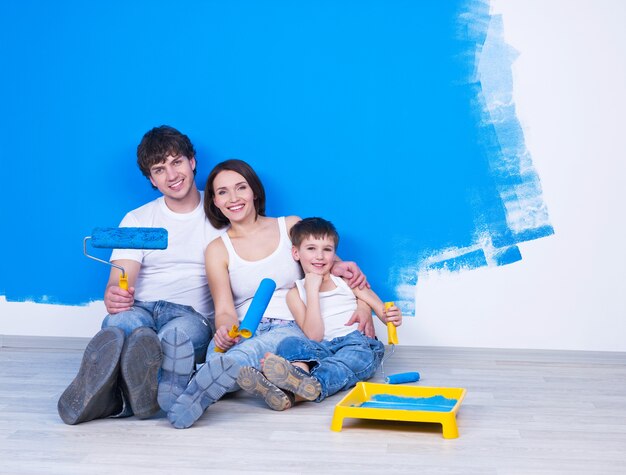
[337, 364]
[162, 316]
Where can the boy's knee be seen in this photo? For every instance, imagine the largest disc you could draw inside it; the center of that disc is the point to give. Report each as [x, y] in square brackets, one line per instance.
[287, 345]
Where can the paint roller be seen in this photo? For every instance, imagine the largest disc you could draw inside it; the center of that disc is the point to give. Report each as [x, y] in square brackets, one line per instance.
[392, 339]
[125, 238]
[255, 312]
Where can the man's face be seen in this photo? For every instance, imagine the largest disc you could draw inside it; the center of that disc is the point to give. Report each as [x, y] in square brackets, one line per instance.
[174, 177]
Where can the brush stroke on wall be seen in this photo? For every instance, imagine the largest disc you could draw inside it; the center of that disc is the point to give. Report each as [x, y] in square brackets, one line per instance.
[392, 119]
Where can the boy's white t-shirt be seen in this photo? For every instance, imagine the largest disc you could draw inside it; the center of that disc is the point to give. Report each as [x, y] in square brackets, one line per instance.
[176, 274]
[336, 307]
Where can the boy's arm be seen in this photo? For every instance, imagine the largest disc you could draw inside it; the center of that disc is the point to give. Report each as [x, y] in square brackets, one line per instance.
[296, 306]
[308, 317]
[372, 300]
[392, 314]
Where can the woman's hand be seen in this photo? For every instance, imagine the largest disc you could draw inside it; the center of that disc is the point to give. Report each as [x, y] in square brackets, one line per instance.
[223, 340]
[363, 316]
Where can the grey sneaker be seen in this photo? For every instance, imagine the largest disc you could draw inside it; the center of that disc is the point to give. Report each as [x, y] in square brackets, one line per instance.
[140, 363]
[253, 381]
[291, 378]
[209, 384]
[94, 393]
[177, 368]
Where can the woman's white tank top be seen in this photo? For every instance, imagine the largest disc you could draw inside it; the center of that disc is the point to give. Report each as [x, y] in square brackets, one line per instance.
[245, 276]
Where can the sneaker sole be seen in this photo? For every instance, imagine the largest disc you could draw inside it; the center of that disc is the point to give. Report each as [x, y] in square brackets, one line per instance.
[285, 375]
[253, 382]
[177, 368]
[93, 389]
[140, 364]
[209, 384]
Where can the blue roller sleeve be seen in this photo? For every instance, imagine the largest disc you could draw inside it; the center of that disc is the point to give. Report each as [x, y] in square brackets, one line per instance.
[129, 238]
[257, 308]
[400, 378]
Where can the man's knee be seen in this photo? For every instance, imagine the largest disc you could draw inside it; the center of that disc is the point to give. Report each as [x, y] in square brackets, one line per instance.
[127, 321]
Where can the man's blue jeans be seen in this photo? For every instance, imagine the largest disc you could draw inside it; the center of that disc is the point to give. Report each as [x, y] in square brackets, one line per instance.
[162, 316]
[337, 364]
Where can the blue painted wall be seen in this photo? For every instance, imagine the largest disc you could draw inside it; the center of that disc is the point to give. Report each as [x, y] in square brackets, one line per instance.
[368, 113]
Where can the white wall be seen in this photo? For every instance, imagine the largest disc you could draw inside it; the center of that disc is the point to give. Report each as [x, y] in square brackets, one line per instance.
[568, 292]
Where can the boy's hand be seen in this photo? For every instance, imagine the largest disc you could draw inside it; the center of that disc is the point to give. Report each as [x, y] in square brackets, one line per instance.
[351, 272]
[393, 315]
[312, 281]
[118, 300]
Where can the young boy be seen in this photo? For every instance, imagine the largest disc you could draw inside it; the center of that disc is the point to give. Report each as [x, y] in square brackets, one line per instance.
[335, 356]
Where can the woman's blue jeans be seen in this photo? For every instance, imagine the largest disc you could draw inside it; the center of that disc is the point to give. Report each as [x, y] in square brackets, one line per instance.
[249, 352]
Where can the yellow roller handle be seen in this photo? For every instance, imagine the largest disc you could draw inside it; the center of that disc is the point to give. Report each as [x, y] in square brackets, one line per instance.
[123, 281]
[233, 333]
[392, 333]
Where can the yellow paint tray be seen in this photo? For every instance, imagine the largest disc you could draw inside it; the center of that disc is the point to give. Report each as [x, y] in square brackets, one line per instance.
[367, 393]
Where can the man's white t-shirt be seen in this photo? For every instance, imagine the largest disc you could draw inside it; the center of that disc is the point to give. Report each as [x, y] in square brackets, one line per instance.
[176, 274]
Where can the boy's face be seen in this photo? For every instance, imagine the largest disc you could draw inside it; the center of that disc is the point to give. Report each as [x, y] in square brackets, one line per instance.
[316, 256]
[174, 177]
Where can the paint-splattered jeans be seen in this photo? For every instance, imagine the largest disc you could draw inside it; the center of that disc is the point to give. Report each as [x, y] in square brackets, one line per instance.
[162, 316]
[337, 364]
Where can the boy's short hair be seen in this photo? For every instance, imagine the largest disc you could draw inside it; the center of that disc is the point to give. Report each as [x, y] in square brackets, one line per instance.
[318, 228]
[159, 143]
[214, 215]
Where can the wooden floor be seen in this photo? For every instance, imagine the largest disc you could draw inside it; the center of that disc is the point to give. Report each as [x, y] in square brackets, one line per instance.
[526, 412]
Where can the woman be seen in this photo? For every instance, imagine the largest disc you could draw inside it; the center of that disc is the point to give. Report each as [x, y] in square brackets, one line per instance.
[254, 247]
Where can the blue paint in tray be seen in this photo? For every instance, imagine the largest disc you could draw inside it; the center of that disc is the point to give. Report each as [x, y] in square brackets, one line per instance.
[389, 401]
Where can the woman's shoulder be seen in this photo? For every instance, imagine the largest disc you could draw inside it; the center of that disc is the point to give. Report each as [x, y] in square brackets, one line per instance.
[216, 248]
[291, 220]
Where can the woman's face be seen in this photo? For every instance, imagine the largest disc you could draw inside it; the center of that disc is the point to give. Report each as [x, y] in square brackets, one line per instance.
[233, 196]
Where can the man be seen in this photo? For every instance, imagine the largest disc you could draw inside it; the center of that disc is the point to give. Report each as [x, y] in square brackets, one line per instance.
[134, 364]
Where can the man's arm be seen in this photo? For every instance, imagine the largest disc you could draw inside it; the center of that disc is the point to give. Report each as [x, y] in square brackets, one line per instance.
[351, 273]
[116, 299]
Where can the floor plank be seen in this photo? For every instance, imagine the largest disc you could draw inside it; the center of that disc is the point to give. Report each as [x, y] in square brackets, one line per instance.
[526, 412]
